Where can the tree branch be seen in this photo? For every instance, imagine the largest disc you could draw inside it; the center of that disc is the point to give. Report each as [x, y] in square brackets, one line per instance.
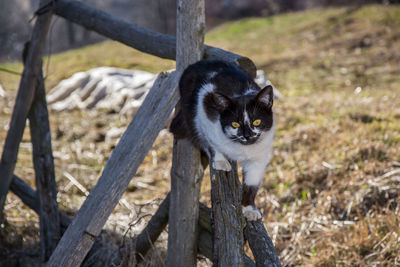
[261, 244]
[151, 42]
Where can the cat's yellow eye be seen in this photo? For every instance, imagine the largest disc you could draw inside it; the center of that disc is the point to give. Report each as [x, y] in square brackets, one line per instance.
[235, 124]
[256, 122]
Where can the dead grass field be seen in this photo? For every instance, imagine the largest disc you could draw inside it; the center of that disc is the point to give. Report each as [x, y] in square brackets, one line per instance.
[331, 194]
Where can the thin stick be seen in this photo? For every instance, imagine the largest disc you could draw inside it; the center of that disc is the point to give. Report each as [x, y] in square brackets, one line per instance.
[23, 103]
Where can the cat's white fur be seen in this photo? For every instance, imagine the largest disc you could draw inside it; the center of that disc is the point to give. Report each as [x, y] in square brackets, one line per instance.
[254, 157]
[251, 213]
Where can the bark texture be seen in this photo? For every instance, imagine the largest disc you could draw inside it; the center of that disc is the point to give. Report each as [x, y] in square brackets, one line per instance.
[227, 218]
[23, 102]
[43, 163]
[261, 244]
[186, 171]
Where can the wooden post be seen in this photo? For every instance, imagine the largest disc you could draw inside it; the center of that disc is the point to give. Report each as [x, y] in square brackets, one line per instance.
[43, 163]
[205, 243]
[120, 168]
[187, 171]
[23, 102]
[227, 218]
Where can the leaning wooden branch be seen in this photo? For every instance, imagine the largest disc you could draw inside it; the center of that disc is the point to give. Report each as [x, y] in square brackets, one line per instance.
[147, 41]
[143, 242]
[31, 199]
[50, 231]
[261, 244]
[153, 229]
[22, 104]
[120, 168]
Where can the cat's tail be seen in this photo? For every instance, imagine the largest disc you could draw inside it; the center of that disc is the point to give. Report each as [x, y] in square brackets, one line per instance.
[178, 126]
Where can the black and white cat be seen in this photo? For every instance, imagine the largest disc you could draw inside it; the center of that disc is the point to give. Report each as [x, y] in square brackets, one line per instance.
[228, 116]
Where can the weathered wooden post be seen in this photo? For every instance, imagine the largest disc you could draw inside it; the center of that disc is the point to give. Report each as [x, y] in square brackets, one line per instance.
[227, 218]
[50, 231]
[23, 102]
[187, 171]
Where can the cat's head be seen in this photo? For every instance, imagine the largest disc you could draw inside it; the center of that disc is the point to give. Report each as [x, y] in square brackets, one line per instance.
[245, 118]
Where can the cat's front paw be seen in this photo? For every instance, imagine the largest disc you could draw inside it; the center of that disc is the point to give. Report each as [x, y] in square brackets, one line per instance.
[222, 165]
[251, 213]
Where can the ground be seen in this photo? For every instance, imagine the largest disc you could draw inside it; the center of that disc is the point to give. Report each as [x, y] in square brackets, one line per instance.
[331, 194]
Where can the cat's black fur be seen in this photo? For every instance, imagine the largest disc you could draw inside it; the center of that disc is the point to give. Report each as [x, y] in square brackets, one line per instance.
[225, 93]
[230, 80]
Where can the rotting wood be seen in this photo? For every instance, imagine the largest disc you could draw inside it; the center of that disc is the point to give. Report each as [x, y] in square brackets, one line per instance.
[23, 102]
[228, 245]
[43, 163]
[151, 42]
[186, 171]
[120, 168]
[261, 245]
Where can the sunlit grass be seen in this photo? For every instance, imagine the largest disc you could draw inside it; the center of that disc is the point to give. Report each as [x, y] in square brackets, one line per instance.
[337, 132]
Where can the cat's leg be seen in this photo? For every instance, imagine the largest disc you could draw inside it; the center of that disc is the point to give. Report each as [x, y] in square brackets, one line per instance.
[217, 160]
[220, 163]
[253, 173]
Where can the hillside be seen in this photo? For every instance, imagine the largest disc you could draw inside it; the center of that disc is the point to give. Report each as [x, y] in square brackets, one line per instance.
[331, 194]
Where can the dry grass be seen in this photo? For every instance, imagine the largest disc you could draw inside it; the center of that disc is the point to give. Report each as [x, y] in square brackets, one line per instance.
[331, 195]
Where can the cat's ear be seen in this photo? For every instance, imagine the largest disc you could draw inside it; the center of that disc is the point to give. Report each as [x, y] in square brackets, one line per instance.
[266, 96]
[221, 102]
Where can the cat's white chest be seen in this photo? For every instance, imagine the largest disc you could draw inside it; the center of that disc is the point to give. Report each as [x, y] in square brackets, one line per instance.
[236, 151]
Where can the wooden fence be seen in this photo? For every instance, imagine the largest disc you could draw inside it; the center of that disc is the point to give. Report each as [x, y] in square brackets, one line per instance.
[193, 228]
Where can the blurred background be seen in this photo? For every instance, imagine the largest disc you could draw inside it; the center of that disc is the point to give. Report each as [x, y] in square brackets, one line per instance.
[331, 195]
[158, 15]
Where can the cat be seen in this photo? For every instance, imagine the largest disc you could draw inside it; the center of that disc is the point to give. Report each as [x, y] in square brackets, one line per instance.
[228, 116]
